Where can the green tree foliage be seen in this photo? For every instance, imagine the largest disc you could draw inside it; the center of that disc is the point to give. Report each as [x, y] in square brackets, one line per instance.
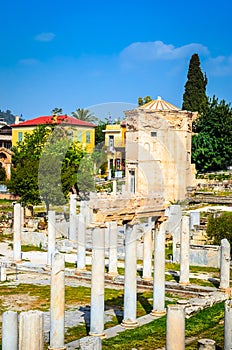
[84, 114]
[45, 165]
[194, 97]
[2, 174]
[220, 227]
[212, 144]
[99, 134]
[143, 101]
[57, 111]
[8, 117]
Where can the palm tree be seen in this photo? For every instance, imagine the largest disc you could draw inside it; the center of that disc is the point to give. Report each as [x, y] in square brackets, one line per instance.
[84, 114]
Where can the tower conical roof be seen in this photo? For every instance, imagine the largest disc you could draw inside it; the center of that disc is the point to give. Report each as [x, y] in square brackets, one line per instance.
[159, 105]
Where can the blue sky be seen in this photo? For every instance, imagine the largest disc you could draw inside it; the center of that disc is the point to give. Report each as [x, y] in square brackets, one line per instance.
[72, 53]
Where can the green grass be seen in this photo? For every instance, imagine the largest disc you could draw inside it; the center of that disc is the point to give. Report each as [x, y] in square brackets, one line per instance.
[4, 238]
[31, 248]
[153, 335]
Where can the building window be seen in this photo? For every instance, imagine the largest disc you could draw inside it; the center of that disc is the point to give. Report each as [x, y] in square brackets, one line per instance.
[87, 137]
[20, 136]
[153, 134]
[117, 164]
[132, 181]
[79, 136]
[111, 143]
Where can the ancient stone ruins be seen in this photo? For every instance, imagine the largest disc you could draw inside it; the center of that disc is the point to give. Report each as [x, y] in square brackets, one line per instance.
[125, 226]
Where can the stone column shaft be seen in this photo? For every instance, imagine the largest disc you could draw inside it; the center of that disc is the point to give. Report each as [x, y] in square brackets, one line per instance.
[113, 249]
[159, 271]
[81, 243]
[130, 277]
[114, 186]
[194, 219]
[175, 241]
[17, 233]
[184, 251]
[72, 218]
[3, 274]
[10, 330]
[57, 302]
[97, 282]
[31, 330]
[228, 325]
[51, 235]
[174, 226]
[147, 253]
[175, 328]
[22, 219]
[86, 211]
[225, 264]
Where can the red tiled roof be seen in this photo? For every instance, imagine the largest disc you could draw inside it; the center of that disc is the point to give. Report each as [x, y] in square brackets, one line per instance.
[60, 119]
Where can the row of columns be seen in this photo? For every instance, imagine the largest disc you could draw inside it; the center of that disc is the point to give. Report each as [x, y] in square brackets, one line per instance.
[26, 331]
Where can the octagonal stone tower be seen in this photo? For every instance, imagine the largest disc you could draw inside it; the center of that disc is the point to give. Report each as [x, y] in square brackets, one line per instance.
[158, 150]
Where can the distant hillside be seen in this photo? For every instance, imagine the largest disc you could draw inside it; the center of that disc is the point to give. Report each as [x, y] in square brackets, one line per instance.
[7, 117]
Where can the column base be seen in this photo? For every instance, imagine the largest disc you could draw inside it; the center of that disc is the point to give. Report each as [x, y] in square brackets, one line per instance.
[78, 271]
[148, 279]
[184, 283]
[224, 289]
[60, 348]
[129, 324]
[17, 261]
[158, 312]
[100, 335]
[112, 274]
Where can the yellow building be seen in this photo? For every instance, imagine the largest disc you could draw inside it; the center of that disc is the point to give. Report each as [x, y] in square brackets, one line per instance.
[81, 131]
[115, 140]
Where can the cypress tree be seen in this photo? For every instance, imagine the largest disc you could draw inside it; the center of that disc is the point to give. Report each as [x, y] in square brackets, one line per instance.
[194, 97]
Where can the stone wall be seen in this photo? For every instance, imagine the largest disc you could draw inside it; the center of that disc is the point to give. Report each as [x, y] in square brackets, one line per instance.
[202, 255]
[38, 239]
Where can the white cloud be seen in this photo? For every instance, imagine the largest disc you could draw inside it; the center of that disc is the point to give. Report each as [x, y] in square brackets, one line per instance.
[45, 37]
[157, 50]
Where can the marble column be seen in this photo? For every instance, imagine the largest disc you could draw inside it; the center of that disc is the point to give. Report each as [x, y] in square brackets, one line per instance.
[130, 277]
[147, 251]
[90, 343]
[114, 187]
[31, 330]
[107, 237]
[17, 255]
[72, 218]
[86, 211]
[10, 330]
[159, 271]
[57, 303]
[184, 251]
[81, 243]
[228, 325]
[22, 219]
[3, 274]
[174, 226]
[97, 282]
[51, 235]
[113, 249]
[194, 219]
[206, 344]
[224, 264]
[175, 328]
